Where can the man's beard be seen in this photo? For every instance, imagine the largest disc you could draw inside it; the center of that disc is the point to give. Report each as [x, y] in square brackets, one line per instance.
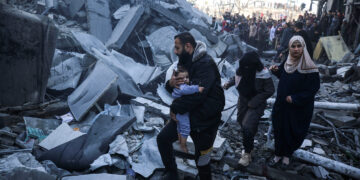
[185, 58]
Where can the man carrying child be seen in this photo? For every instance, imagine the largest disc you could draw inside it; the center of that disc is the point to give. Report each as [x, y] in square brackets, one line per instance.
[204, 107]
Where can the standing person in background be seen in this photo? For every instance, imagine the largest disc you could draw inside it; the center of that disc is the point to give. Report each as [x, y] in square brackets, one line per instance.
[299, 31]
[254, 85]
[287, 33]
[272, 35]
[293, 109]
[252, 33]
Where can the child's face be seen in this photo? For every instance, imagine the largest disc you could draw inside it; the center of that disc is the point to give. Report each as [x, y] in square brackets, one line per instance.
[184, 76]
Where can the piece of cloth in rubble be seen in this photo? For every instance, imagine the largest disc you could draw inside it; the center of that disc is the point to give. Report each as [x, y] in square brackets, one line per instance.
[249, 64]
[79, 153]
[183, 126]
[303, 65]
[291, 121]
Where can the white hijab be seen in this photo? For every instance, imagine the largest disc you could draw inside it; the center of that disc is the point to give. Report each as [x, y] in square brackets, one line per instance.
[303, 65]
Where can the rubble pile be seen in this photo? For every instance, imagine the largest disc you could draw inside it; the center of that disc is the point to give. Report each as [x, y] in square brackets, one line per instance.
[105, 99]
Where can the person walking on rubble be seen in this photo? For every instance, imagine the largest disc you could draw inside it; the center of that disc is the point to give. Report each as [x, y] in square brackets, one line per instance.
[293, 109]
[254, 85]
[205, 108]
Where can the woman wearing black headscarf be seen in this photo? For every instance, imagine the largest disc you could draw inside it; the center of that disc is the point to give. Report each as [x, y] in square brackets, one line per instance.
[254, 85]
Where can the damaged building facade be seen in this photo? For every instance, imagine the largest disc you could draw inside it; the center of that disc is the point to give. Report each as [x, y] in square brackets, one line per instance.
[82, 95]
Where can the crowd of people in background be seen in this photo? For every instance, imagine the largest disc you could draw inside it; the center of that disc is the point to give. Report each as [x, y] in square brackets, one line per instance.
[277, 33]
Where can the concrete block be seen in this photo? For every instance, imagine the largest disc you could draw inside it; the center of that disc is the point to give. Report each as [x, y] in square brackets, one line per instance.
[96, 177]
[125, 26]
[27, 47]
[91, 90]
[99, 19]
[75, 6]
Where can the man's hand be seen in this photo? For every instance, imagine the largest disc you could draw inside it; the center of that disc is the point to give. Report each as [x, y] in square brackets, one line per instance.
[173, 117]
[288, 99]
[226, 86]
[201, 89]
[274, 68]
[175, 82]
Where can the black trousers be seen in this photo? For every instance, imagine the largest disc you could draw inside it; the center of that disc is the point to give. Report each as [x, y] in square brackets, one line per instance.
[202, 140]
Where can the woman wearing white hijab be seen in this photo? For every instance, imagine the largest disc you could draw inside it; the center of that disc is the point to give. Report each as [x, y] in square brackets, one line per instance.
[292, 112]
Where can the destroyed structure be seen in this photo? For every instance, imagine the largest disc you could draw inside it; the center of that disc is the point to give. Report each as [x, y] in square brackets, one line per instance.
[82, 95]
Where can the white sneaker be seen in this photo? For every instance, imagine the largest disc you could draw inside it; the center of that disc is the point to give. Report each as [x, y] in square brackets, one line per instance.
[245, 159]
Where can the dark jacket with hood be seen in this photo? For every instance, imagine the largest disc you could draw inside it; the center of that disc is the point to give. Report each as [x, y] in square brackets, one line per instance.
[205, 108]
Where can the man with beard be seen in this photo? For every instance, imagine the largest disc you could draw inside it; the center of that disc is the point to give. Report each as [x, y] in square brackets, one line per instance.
[205, 108]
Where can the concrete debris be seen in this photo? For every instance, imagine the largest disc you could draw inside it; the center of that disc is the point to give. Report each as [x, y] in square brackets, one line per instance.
[19, 160]
[306, 143]
[124, 27]
[121, 12]
[98, 16]
[25, 69]
[319, 151]
[320, 172]
[149, 160]
[65, 75]
[91, 90]
[96, 177]
[75, 6]
[111, 63]
[60, 135]
[119, 146]
[153, 106]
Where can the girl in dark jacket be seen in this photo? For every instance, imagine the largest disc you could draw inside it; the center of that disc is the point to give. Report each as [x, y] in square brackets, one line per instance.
[254, 85]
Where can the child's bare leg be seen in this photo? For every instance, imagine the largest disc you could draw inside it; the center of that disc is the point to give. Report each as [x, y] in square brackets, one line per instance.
[183, 143]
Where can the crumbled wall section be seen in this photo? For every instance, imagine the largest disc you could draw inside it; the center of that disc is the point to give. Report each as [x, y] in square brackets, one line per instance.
[27, 47]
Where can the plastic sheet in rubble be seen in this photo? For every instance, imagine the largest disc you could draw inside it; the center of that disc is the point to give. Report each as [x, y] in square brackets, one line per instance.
[119, 146]
[91, 90]
[149, 160]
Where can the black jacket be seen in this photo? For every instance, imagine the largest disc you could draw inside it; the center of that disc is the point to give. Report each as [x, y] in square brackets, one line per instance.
[205, 108]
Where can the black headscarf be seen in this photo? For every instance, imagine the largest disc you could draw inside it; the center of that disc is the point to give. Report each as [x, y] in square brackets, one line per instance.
[249, 64]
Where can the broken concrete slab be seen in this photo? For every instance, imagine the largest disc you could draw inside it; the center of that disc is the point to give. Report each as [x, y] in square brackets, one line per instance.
[318, 150]
[119, 146]
[340, 118]
[162, 40]
[334, 47]
[91, 90]
[75, 6]
[99, 21]
[153, 106]
[199, 37]
[141, 74]
[149, 160]
[306, 143]
[26, 56]
[62, 134]
[103, 160]
[79, 153]
[51, 168]
[89, 42]
[20, 160]
[65, 75]
[220, 48]
[96, 177]
[121, 12]
[125, 82]
[320, 172]
[184, 167]
[124, 27]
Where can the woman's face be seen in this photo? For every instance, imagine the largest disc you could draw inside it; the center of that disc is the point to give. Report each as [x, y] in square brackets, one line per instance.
[296, 50]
